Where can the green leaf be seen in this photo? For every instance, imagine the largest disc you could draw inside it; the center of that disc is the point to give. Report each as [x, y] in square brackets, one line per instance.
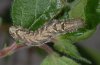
[88, 10]
[92, 16]
[54, 59]
[69, 61]
[85, 35]
[78, 10]
[32, 14]
[67, 47]
[79, 35]
[98, 8]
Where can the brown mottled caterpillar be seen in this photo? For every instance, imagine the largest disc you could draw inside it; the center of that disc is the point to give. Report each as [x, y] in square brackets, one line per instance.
[47, 32]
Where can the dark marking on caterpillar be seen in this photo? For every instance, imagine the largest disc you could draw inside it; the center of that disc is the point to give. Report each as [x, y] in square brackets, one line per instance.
[48, 31]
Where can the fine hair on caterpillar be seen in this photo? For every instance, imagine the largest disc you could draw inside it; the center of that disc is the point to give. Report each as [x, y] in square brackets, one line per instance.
[47, 32]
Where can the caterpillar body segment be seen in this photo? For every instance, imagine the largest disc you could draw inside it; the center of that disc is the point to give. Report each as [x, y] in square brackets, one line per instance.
[46, 32]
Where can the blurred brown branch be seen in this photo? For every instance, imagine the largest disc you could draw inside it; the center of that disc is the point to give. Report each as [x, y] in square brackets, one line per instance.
[9, 50]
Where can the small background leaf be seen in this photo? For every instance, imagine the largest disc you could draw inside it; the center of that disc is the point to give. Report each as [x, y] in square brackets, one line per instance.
[56, 60]
[88, 10]
[92, 16]
[78, 10]
[66, 46]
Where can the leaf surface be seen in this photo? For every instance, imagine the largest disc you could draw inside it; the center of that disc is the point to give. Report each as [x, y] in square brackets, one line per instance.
[56, 60]
[32, 14]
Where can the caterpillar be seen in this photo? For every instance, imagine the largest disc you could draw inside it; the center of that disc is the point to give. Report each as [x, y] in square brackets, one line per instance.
[48, 31]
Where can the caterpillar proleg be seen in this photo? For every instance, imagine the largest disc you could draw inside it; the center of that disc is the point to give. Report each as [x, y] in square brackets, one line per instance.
[46, 32]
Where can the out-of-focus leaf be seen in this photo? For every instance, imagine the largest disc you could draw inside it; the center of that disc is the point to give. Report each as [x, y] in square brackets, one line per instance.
[87, 9]
[74, 3]
[56, 60]
[78, 10]
[91, 15]
[66, 46]
[98, 8]
[0, 21]
[69, 61]
[32, 14]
